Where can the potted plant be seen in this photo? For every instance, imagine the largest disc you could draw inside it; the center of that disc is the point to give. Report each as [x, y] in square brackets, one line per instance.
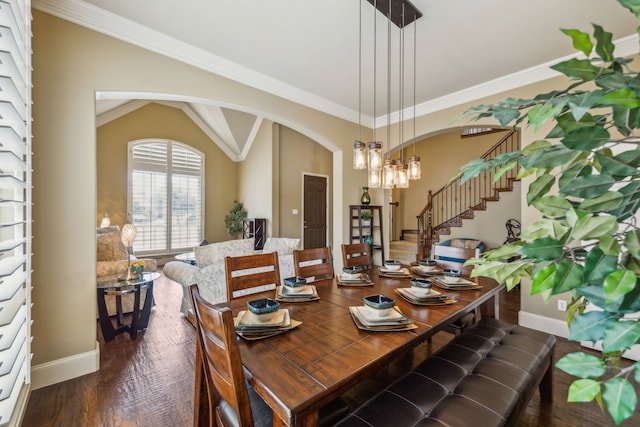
[586, 187]
[233, 220]
[366, 216]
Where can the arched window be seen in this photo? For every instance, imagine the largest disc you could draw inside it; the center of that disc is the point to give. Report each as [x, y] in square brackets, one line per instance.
[165, 195]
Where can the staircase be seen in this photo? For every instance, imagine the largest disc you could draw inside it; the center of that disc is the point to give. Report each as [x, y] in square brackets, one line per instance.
[455, 202]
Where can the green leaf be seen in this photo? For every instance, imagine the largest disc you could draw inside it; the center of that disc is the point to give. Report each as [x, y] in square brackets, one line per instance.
[587, 138]
[581, 104]
[632, 5]
[588, 186]
[604, 46]
[539, 114]
[593, 227]
[540, 187]
[583, 390]
[617, 284]
[545, 248]
[631, 201]
[582, 365]
[620, 398]
[615, 167]
[552, 206]
[536, 146]
[568, 276]
[630, 303]
[609, 246]
[590, 326]
[473, 169]
[581, 168]
[624, 97]
[577, 68]
[621, 336]
[625, 119]
[543, 280]
[504, 251]
[632, 242]
[598, 265]
[581, 41]
[550, 157]
[506, 115]
[504, 169]
[603, 203]
[545, 227]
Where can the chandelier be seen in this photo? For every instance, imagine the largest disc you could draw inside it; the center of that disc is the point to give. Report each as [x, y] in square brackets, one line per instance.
[388, 173]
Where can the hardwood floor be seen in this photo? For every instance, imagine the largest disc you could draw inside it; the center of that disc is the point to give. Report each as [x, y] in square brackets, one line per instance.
[149, 381]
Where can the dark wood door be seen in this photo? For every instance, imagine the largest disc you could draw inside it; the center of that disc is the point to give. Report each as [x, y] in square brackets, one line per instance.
[315, 211]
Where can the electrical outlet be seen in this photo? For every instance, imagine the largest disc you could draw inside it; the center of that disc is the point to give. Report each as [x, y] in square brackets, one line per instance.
[562, 305]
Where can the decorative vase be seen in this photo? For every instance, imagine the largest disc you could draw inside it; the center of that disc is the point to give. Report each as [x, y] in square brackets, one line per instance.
[365, 199]
[368, 239]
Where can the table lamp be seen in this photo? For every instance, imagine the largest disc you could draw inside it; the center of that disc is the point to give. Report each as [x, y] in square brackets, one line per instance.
[129, 232]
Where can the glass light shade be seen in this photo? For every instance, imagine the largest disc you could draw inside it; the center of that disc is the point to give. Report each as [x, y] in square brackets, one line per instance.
[402, 179]
[129, 232]
[375, 178]
[388, 174]
[414, 167]
[375, 155]
[359, 155]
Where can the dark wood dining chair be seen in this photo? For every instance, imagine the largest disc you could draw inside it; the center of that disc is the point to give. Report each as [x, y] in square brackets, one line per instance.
[357, 255]
[219, 371]
[251, 273]
[316, 263]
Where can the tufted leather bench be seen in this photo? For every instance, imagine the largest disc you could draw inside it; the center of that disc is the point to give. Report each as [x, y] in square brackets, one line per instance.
[483, 377]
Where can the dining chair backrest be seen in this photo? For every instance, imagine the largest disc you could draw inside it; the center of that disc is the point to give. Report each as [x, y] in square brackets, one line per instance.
[357, 255]
[449, 257]
[316, 263]
[251, 273]
[221, 365]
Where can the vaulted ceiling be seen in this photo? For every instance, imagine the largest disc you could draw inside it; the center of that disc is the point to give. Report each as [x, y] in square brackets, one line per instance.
[308, 51]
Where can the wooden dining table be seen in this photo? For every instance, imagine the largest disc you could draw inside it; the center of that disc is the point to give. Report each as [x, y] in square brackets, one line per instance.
[301, 370]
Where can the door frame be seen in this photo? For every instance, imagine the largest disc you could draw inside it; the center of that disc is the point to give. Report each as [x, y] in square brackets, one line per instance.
[303, 206]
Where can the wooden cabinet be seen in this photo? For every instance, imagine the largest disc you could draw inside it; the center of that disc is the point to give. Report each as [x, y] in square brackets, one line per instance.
[256, 228]
[361, 230]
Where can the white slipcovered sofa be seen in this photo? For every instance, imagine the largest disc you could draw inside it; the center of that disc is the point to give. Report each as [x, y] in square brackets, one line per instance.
[209, 271]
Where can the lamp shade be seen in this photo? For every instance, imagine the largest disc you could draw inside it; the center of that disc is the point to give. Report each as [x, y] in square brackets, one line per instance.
[105, 220]
[129, 232]
[414, 167]
[359, 155]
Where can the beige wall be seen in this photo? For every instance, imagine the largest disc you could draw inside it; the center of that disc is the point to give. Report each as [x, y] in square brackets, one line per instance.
[299, 155]
[256, 171]
[159, 121]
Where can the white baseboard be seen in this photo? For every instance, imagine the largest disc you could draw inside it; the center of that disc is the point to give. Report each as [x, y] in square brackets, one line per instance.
[65, 369]
[544, 324]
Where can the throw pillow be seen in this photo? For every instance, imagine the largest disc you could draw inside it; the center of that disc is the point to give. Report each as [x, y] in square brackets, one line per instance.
[207, 255]
[465, 243]
[282, 245]
[110, 247]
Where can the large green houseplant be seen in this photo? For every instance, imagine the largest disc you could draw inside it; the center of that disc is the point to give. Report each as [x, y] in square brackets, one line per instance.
[585, 183]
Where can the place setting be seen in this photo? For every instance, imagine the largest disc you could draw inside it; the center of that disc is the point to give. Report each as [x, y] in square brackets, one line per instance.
[296, 289]
[393, 268]
[380, 314]
[452, 280]
[263, 318]
[421, 292]
[353, 276]
[427, 268]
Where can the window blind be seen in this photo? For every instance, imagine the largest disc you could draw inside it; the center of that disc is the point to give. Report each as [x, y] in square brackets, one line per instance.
[166, 196]
[15, 208]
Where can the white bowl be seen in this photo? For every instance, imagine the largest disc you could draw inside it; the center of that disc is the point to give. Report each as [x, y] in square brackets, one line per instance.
[392, 265]
[378, 312]
[450, 279]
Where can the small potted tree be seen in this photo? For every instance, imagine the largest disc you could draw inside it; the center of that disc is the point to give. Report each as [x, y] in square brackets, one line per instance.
[233, 220]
